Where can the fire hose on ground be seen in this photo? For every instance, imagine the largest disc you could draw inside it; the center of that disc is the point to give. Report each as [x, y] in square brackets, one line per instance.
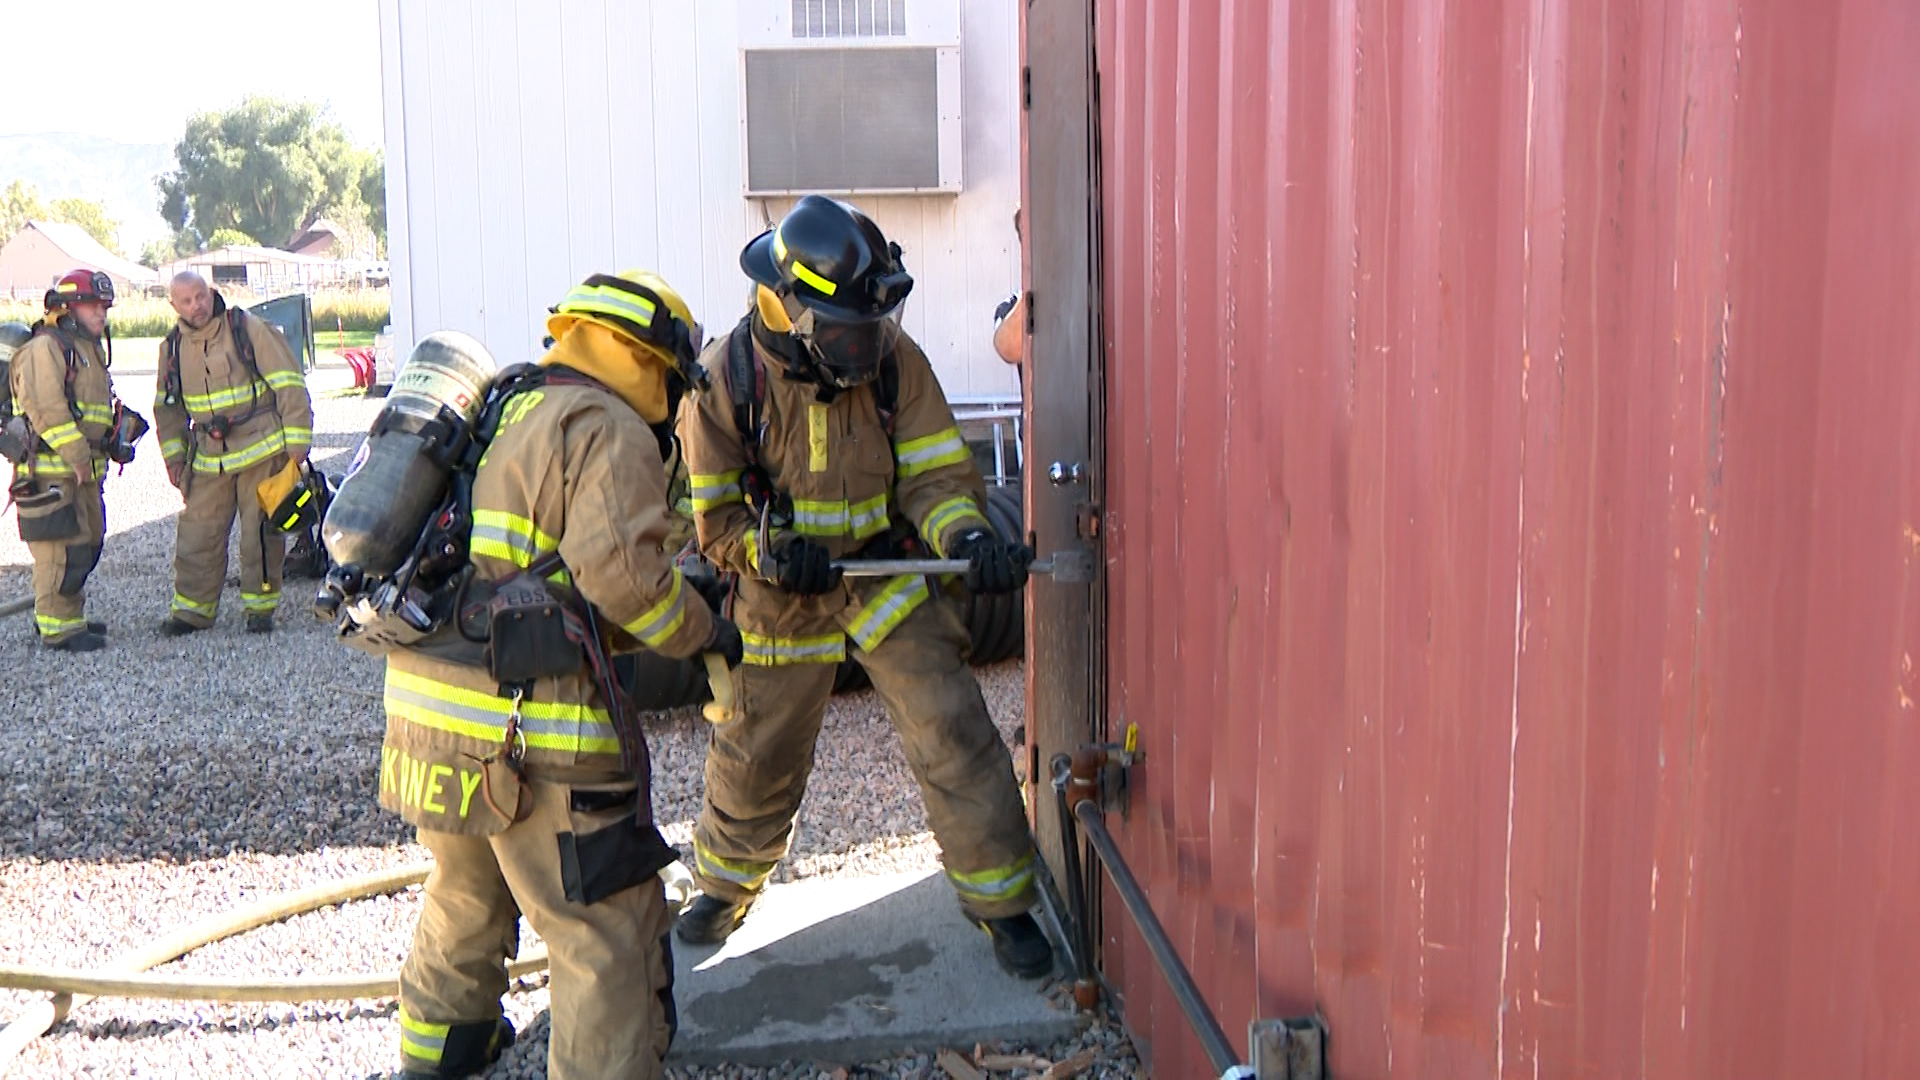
[128, 975]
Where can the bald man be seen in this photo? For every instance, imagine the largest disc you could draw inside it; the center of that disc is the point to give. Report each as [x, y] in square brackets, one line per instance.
[231, 409]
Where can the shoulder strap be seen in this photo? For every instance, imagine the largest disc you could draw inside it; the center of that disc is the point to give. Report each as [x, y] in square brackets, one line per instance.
[747, 385]
[886, 393]
[173, 393]
[70, 355]
[236, 325]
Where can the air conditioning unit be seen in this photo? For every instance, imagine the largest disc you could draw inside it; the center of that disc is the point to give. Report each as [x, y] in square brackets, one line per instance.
[850, 97]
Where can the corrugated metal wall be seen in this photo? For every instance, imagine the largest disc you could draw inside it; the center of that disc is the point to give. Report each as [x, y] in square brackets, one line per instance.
[1514, 416]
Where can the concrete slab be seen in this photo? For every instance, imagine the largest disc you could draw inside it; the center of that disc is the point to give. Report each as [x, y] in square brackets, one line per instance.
[848, 970]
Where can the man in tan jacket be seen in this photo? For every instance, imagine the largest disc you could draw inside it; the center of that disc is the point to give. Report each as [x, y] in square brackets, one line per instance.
[60, 386]
[538, 803]
[231, 410]
[826, 436]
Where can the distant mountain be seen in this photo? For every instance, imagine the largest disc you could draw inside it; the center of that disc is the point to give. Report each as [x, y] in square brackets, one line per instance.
[120, 175]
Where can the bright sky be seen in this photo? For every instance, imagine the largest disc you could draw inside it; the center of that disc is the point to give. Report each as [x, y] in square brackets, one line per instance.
[134, 70]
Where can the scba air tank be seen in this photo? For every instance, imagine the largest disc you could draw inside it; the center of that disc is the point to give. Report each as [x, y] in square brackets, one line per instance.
[399, 475]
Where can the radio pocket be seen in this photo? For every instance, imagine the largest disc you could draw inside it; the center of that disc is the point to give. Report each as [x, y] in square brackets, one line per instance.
[48, 515]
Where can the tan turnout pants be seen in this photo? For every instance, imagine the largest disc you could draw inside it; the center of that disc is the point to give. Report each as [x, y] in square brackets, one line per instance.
[611, 960]
[200, 544]
[757, 767]
[61, 567]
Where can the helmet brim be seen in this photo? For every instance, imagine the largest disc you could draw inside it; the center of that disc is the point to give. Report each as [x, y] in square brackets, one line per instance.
[756, 260]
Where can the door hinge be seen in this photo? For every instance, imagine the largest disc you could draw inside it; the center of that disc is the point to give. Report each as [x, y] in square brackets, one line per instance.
[1026, 88]
[1029, 309]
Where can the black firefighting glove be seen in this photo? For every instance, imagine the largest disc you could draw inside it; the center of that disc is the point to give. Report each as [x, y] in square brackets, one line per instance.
[804, 567]
[994, 566]
[726, 641]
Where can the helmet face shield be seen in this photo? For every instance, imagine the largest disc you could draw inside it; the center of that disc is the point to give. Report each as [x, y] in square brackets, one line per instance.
[848, 351]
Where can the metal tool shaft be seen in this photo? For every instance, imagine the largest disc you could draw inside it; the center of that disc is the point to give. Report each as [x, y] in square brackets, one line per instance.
[890, 567]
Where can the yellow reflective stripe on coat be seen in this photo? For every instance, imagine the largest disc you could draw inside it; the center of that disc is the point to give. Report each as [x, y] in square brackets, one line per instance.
[816, 437]
[298, 436]
[665, 617]
[748, 875]
[244, 458]
[173, 448]
[767, 651]
[60, 435]
[750, 540]
[225, 399]
[992, 886]
[475, 714]
[930, 452]
[498, 534]
[53, 465]
[709, 490]
[886, 610]
[422, 1041]
[949, 513]
[286, 380]
[96, 414]
[831, 517]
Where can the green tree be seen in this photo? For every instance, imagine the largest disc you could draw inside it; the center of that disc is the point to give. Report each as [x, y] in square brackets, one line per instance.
[228, 238]
[19, 204]
[177, 246]
[373, 193]
[91, 216]
[265, 167]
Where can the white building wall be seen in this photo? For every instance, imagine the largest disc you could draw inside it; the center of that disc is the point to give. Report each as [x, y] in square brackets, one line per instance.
[532, 143]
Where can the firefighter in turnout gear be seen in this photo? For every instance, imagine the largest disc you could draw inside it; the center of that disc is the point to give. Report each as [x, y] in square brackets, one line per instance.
[64, 423]
[537, 801]
[825, 435]
[231, 409]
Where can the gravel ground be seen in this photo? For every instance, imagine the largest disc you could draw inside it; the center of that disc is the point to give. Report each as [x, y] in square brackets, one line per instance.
[160, 781]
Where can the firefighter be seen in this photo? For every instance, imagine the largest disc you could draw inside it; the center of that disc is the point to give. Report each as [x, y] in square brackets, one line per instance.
[525, 803]
[232, 411]
[59, 384]
[826, 435]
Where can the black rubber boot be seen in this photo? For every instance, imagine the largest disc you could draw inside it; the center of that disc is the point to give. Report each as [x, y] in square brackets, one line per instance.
[1019, 945]
[96, 626]
[470, 1048]
[177, 628]
[709, 920]
[260, 622]
[84, 641]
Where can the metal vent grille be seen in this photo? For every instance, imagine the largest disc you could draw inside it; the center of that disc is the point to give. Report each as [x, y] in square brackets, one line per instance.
[849, 18]
[842, 120]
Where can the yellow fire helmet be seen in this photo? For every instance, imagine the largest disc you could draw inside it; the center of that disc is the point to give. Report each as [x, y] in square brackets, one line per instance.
[640, 306]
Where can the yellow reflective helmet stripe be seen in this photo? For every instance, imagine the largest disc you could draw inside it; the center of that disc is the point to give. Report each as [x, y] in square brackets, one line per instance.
[607, 300]
[801, 270]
